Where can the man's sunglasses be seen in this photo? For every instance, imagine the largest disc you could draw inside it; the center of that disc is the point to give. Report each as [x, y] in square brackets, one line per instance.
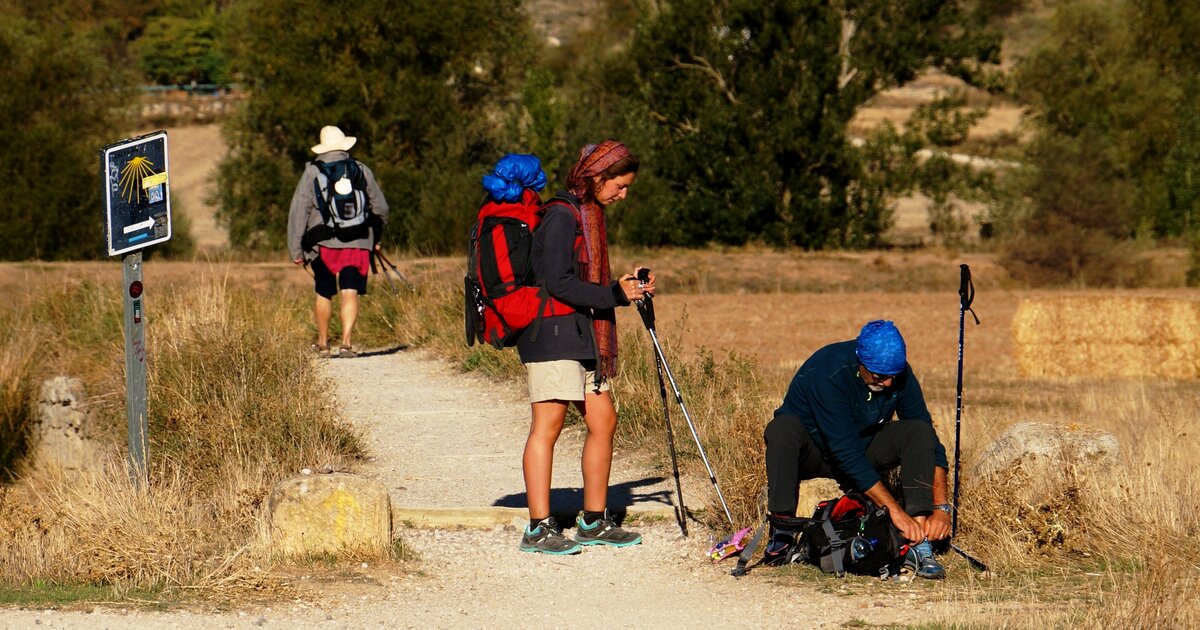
[883, 377]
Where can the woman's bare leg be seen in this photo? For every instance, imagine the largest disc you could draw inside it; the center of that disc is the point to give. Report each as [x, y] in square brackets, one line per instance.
[601, 419]
[538, 462]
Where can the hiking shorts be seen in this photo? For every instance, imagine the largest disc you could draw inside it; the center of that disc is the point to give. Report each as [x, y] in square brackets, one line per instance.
[348, 276]
[562, 380]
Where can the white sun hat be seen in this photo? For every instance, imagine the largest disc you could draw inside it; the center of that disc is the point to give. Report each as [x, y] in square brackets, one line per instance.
[333, 139]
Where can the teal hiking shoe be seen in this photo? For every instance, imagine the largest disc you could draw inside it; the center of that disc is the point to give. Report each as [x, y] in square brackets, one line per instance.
[921, 561]
[548, 538]
[604, 532]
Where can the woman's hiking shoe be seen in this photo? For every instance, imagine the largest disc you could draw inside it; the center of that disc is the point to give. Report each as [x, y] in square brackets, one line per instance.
[604, 532]
[921, 561]
[548, 538]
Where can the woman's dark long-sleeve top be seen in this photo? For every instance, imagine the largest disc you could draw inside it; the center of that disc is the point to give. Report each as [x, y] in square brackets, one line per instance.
[555, 264]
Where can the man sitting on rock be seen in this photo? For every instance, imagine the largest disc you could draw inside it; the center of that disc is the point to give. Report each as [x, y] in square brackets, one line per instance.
[853, 410]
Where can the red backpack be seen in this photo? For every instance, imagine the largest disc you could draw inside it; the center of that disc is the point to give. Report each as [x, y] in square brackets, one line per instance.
[502, 295]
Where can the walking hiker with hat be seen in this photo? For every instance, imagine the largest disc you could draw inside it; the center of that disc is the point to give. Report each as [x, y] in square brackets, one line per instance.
[853, 410]
[336, 218]
[571, 358]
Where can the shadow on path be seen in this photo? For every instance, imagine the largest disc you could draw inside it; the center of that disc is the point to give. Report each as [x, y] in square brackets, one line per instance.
[378, 352]
[567, 502]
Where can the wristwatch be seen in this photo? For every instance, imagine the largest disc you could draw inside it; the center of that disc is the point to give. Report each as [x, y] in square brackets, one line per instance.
[945, 507]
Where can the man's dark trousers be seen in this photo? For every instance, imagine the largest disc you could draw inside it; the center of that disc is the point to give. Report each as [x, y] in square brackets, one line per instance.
[792, 457]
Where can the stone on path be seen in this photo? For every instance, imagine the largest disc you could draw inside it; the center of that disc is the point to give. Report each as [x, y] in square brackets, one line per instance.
[334, 513]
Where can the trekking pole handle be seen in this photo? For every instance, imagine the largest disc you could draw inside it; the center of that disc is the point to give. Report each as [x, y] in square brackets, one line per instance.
[966, 291]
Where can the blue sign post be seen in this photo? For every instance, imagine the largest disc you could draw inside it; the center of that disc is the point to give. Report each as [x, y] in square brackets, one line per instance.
[137, 200]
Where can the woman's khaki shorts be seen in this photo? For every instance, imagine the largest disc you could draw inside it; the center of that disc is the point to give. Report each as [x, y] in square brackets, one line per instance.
[561, 380]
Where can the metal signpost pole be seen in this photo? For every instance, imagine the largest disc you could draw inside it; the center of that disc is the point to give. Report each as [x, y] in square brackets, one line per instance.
[135, 367]
[137, 214]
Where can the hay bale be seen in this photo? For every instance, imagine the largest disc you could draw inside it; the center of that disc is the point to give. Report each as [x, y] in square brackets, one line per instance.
[1088, 336]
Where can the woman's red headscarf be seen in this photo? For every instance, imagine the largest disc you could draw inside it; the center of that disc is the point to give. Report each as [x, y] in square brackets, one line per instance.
[593, 160]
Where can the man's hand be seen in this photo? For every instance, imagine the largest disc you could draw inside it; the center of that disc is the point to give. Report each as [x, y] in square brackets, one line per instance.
[908, 526]
[937, 526]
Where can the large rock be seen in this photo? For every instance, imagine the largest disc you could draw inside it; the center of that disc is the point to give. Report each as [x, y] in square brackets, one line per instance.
[812, 492]
[62, 436]
[1030, 447]
[335, 513]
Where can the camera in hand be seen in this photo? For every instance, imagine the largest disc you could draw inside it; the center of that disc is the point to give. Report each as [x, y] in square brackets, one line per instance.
[643, 275]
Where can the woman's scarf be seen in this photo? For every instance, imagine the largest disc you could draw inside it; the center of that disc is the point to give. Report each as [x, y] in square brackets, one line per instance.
[593, 160]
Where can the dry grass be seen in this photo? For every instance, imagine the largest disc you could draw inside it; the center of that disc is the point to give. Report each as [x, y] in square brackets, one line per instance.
[235, 406]
[17, 391]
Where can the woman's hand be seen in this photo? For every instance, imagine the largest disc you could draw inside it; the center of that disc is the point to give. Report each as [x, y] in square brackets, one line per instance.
[647, 286]
[632, 287]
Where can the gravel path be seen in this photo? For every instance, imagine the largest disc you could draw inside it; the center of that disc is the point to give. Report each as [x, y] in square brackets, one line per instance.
[443, 440]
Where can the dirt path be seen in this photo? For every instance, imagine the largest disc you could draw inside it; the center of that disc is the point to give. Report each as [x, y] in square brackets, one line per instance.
[444, 441]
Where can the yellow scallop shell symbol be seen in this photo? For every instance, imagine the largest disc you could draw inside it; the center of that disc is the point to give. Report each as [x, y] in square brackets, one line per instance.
[132, 174]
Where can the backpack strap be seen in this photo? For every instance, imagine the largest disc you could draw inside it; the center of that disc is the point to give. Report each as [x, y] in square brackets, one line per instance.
[748, 552]
[543, 292]
[318, 194]
[792, 524]
[835, 562]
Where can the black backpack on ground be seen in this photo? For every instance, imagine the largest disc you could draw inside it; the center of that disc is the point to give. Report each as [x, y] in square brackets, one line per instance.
[852, 534]
[849, 534]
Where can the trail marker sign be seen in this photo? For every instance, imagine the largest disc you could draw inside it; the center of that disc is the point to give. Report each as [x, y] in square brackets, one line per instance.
[137, 193]
[137, 214]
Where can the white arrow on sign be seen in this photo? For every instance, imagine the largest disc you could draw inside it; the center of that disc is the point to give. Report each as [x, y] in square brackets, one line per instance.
[144, 225]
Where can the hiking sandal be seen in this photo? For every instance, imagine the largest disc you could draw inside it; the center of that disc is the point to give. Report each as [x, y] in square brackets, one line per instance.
[321, 351]
[346, 352]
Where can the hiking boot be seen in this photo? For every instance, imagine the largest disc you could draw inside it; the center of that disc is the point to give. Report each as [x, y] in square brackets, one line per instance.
[921, 561]
[604, 532]
[548, 538]
[780, 548]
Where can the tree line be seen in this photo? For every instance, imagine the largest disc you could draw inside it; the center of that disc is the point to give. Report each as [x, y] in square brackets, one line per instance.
[738, 108]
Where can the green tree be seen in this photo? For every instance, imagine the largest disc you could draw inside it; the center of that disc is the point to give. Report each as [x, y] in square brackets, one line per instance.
[424, 87]
[742, 107]
[1114, 90]
[61, 100]
[179, 50]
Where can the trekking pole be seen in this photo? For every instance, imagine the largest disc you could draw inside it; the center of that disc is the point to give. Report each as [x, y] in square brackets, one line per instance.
[386, 264]
[386, 276]
[966, 295]
[647, 310]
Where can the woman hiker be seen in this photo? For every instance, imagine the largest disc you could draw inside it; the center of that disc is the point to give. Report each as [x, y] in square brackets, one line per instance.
[571, 358]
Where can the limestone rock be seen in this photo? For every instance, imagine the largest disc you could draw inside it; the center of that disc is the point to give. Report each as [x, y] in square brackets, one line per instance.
[335, 513]
[813, 491]
[1031, 445]
[62, 435]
